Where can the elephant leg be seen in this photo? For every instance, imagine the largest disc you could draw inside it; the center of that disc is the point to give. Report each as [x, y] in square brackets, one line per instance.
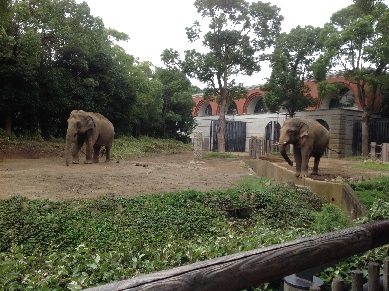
[315, 170]
[76, 149]
[96, 152]
[89, 149]
[107, 153]
[297, 160]
[304, 162]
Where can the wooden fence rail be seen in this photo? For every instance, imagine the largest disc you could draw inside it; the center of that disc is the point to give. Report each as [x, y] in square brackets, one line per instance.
[251, 268]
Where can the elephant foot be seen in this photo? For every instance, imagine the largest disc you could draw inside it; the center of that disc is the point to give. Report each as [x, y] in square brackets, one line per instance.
[302, 175]
[95, 161]
[88, 162]
[76, 162]
[315, 173]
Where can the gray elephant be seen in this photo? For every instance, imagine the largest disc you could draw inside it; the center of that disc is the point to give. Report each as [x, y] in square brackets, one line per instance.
[91, 128]
[309, 139]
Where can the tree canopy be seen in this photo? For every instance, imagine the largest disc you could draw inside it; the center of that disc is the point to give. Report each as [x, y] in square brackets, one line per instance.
[291, 61]
[238, 35]
[56, 57]
[356, 41]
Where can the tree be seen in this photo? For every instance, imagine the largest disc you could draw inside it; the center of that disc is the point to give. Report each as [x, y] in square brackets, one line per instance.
[292, 60]
[239, 33]
[178, 104]
[356, 41]
[55, 57]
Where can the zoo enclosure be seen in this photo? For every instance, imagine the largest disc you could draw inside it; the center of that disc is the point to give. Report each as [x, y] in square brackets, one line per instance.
[251, 268]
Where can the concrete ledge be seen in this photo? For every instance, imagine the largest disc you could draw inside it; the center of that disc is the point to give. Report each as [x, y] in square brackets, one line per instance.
[339, 194]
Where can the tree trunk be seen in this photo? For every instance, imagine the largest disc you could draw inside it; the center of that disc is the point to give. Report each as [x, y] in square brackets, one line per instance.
[365, 133]
[221, 143]
[7, 121]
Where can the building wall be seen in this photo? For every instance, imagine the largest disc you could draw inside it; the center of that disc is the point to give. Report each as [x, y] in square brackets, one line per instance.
[340, 122]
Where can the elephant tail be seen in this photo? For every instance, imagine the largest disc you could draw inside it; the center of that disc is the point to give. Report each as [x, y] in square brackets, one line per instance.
[334, 150]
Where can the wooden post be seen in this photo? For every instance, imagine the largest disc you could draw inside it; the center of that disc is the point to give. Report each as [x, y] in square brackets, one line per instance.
[372, 150]
[386, 275]
[356, 281]
[385, 152]
[198, 145]
[374, 276]
[255, 147]
[337, 284]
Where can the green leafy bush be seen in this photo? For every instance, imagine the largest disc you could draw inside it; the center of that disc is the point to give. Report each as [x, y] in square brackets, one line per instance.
[75, 244]
[81, 243]
[331, 218]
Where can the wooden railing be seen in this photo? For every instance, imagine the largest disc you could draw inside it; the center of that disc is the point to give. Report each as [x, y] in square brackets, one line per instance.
[251, 268]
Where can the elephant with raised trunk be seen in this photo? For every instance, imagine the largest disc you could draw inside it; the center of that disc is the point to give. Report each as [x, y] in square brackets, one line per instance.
[90, 128]
[309, 139]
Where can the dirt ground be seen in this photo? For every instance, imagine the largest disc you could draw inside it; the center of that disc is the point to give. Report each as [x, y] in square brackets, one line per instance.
[42, 174]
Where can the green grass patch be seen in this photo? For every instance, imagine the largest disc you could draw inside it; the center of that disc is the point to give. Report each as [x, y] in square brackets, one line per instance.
[371, 165]
[130, 147]
[123, 147]
[217, 155]
[369, 191]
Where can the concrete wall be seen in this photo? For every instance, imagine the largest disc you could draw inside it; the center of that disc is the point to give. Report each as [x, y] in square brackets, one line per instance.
[340, 122]
[338, 194]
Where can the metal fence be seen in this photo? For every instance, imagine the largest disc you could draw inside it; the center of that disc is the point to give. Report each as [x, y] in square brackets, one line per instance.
[234, 135]
[378, 133]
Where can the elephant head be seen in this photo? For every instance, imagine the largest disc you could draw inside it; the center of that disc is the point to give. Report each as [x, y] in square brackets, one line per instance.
[78, 123]
[294, 131]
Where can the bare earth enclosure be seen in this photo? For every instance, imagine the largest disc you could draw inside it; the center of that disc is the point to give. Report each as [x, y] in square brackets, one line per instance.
[42, 174]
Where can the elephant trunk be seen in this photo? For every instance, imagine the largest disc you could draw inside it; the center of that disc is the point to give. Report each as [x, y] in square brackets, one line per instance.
[284, 155]
[69, 138]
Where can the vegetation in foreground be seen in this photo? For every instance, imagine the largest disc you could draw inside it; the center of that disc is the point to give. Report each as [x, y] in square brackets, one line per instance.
[373, 190]
[71, 245]
[74, 244]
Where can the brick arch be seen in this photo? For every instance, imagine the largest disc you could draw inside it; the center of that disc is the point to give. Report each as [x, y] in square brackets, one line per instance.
[249, 100]
[218, 109]
[227, 106]
[343, 82]
[197, 107]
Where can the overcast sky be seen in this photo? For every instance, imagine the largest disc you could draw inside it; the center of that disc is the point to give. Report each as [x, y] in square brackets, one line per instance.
[154, 25]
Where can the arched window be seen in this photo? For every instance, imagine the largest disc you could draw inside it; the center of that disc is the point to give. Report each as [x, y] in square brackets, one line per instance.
[208, 110]
[346, 99]
[259, 108]
[324, 123]
[232, 109]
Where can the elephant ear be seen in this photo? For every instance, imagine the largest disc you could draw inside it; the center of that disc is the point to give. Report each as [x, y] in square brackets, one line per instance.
[304, 132]
[86, 122]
